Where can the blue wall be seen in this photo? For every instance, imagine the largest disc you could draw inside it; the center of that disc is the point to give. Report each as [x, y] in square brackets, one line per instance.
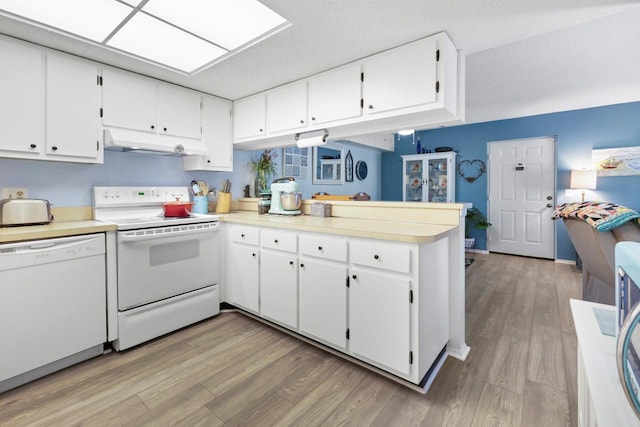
[577, 133]
[70, 184]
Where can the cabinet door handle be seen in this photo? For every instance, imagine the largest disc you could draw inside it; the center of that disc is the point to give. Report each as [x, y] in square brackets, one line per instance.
[301, 121]
[320, 248]
[290, 262]
[33, 145]
[253, 254]
[301, 265]
[165, 129]
[208, 161]
[261, 130]
[313, 118]
[354, 277]
[376, 257]
[370, 107]
[275, 241]
[242, 235]
[152, 127]
[54, 148]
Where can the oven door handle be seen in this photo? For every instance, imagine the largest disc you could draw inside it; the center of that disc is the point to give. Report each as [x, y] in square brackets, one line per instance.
[159, 233]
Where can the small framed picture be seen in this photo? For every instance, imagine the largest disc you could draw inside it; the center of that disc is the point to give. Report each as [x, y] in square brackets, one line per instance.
[348, 167]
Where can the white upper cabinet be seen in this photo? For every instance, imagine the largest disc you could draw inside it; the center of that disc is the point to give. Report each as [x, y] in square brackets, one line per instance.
[129, 101]
[72, 108]
[249, 117]
[287, 107]
[143, 104]
[21, 99]
[400, 78]
[178, 111]
[335, 95]
[216, 134]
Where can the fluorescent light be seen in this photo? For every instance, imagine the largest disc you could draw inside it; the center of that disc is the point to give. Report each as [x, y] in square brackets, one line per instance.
[227, 23]
[152, 39]
[186, 36]
[405, 132]
[91, 19]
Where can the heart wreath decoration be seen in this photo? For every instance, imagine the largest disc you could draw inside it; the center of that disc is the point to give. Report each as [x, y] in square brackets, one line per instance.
[471, 170]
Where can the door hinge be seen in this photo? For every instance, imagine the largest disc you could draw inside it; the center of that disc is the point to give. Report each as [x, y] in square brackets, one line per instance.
[411, 358]
[410, 296]
[97, 145]
[437, 55]
[361, 77]
[361, 103]
[347, 281]
[347, 333]
[101, 111]
[437, 87]
[99, 80]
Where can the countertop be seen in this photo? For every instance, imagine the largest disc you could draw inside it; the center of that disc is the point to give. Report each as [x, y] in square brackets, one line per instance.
[55, 229]
[373, 229]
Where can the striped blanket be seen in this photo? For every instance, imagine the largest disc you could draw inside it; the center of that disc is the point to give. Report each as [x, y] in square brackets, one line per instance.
[602, 216]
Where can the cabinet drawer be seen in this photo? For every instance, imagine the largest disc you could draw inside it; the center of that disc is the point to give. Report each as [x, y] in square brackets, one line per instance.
[279, 239]
[323, 247]
[387, 256]
[244, 234]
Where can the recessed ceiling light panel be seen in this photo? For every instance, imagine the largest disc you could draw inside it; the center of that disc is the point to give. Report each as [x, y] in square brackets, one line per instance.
[91, 19]
[152, 39]
[227, 23]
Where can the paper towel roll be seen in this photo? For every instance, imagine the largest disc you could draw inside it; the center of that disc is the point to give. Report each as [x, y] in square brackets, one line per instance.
[311, 141]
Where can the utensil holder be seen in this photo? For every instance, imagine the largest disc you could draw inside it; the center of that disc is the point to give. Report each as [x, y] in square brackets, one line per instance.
[224, 203]
[200, 204]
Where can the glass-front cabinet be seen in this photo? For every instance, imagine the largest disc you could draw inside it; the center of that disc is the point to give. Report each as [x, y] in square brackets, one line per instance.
[429, 177]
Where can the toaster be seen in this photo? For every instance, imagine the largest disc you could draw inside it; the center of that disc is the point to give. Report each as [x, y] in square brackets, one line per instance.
[24, 212]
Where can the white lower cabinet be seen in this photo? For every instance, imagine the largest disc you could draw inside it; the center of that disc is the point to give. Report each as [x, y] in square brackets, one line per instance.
[279, 287]
[380, 318]
[323, 301]
[385, 303]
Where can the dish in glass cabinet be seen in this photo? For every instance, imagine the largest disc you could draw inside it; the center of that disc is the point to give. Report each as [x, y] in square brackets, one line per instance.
[415, 183]
[416, 167]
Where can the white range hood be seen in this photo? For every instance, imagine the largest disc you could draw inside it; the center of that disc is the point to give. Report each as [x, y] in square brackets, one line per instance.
[146, 142]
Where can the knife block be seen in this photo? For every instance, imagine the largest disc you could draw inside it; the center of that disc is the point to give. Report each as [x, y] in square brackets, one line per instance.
[224, 203]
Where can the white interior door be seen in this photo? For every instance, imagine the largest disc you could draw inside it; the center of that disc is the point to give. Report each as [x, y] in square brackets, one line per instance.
[521, 197]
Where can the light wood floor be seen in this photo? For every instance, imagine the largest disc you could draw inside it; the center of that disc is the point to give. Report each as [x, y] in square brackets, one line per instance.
[232, 370]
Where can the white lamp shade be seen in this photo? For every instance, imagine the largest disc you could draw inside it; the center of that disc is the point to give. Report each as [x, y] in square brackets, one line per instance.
[584, 179]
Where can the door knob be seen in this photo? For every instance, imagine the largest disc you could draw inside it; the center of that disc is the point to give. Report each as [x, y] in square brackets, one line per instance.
[549, 198]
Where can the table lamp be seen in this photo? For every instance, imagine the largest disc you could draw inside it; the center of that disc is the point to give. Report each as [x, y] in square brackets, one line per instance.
[584, 179]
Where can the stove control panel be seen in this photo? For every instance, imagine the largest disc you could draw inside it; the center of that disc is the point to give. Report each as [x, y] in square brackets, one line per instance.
[137, 196]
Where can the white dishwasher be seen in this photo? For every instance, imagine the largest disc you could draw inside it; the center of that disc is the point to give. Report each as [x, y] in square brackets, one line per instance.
[52, 306]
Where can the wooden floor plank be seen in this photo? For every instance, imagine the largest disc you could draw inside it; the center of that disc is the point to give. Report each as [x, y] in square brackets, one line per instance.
[498, 407]
[570, 348]
[509, 363]
[119, 414]
[545, 406]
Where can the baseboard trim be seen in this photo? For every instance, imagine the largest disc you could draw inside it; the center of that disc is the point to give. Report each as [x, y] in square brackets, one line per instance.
[565, 261]
[477, 251]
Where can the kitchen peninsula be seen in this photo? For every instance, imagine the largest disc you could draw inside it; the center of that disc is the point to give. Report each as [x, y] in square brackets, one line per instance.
[402, 309]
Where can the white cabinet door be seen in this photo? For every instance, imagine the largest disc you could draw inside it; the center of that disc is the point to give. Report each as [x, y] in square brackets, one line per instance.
[287, 107]
[323, 301]
[216, 134]
[72, 107]
[379, 318]
[335, 95]
[243, 276]
[129, 101]
[178, 111]
[391, 83]
[279, 287]
[21, 98]
[249, 118]
[429, 177]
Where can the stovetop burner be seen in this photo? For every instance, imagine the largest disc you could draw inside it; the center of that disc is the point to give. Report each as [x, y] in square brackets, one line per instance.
[133, 208]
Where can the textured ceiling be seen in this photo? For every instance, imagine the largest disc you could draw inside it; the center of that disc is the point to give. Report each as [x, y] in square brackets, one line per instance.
[329, 33]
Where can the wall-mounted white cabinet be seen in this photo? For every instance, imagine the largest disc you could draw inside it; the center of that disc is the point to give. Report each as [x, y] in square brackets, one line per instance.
[216, 134]
[335, 95]
[400, 78]
[72, 108]
[50, 105]
[287, 108]
[429, 177]
[143, 104]
[249, 117]
[417, 85]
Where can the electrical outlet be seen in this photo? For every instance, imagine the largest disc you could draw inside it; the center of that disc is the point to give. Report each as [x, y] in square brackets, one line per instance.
[15, 193]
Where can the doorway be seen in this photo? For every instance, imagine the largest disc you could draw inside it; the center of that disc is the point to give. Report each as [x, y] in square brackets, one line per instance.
[521, 197]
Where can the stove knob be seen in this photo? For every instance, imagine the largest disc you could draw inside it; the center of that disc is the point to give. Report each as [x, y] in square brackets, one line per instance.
[105, 194]
[117, 195]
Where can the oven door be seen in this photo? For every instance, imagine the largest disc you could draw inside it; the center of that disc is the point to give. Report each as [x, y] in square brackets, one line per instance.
[159, 263]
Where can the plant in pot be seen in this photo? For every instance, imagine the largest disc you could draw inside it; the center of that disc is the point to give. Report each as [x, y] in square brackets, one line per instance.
[474, 219]
[264, 168]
